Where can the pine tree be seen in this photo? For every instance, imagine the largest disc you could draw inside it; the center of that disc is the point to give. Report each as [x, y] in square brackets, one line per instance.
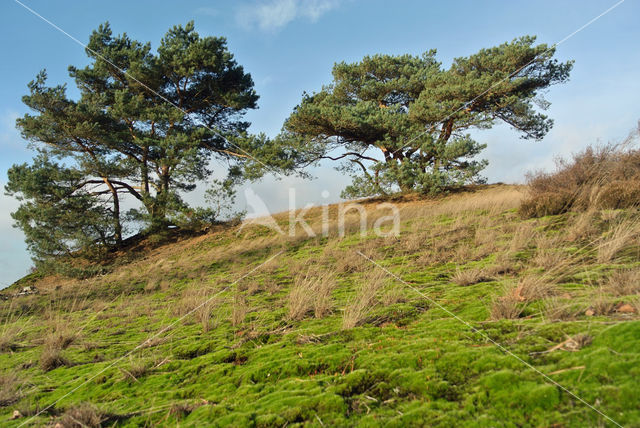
[401, 122]
[145, 127]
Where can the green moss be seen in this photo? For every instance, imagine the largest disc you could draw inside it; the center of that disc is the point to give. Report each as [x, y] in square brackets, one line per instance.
[408, 363]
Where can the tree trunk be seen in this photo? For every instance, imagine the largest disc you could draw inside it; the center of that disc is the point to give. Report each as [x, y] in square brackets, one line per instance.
[145, 170]
[117, 232]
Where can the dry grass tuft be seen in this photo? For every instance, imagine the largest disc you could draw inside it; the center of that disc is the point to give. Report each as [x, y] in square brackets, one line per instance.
[239, 310]
[583, 227]
[547, 258]
[134, 371]
[52, 358]
[505, 307]
[204, 312]
[311, 293]
[602, 305]
[366, 298]
[503, 265]
[469, 276]
[180, 410]
[621, 236]
[486, 234]
[60, 336]
[199, 301]
[623, 283]
[10, 389]
[344, 260]
[531, 288]
[463, 253]
[559, 309]
[10, 335]
[82, 416]
[522, 237]
[393, 295]
[412, 242]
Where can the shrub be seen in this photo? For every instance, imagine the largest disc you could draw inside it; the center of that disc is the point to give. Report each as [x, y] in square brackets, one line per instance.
[598, 177]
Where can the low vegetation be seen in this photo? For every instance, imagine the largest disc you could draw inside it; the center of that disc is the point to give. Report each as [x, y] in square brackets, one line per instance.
[604, 177]
[201, 333]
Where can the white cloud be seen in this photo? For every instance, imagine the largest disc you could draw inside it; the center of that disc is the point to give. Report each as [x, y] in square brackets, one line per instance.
[275, 14]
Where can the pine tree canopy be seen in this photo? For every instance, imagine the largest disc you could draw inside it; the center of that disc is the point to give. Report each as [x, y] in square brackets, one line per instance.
[402, 122]
[146, 126]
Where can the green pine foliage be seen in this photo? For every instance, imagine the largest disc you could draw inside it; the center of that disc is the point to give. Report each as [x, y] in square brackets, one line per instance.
[145, 128]
[402, 122]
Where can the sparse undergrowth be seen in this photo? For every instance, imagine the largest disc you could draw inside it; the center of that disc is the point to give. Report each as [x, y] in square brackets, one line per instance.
[321, 336]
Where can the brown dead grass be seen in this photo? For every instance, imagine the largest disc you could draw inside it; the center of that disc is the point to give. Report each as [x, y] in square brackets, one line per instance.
[12, 329]
[344, 260]
[469, 276]
[393, 295]
[603, 304]
[530, 288]
[10, 389]
[58, 334]
[505, 307]
[502, 265]
[583, 227]
[84, 415]
[311, 293]
[533, 287]
[51, 358]
[549, 259]
[365, 299]
[522, 237]
[239, 310]
[622, 235]
[560, 309]
[623, 283]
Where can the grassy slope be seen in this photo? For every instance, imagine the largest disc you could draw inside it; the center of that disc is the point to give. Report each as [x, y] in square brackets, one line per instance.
[246, 358]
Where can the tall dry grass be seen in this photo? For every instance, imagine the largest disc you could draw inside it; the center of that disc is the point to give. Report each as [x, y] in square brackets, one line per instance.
[506, 306]
[623, 282]
[365, 299]
[523, 236]
[239, 310]
[10, 389]
[311, 293]
[621, 236]
[469, 276]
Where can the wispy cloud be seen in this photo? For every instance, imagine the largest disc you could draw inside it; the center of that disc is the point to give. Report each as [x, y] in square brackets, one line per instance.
[275, 14]
[209, 11]
[8, 132]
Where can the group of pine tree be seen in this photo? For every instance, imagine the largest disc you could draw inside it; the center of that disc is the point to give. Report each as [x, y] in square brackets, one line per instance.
[148, 125]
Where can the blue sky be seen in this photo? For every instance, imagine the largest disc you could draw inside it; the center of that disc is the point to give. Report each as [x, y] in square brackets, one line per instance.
[289, 46]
